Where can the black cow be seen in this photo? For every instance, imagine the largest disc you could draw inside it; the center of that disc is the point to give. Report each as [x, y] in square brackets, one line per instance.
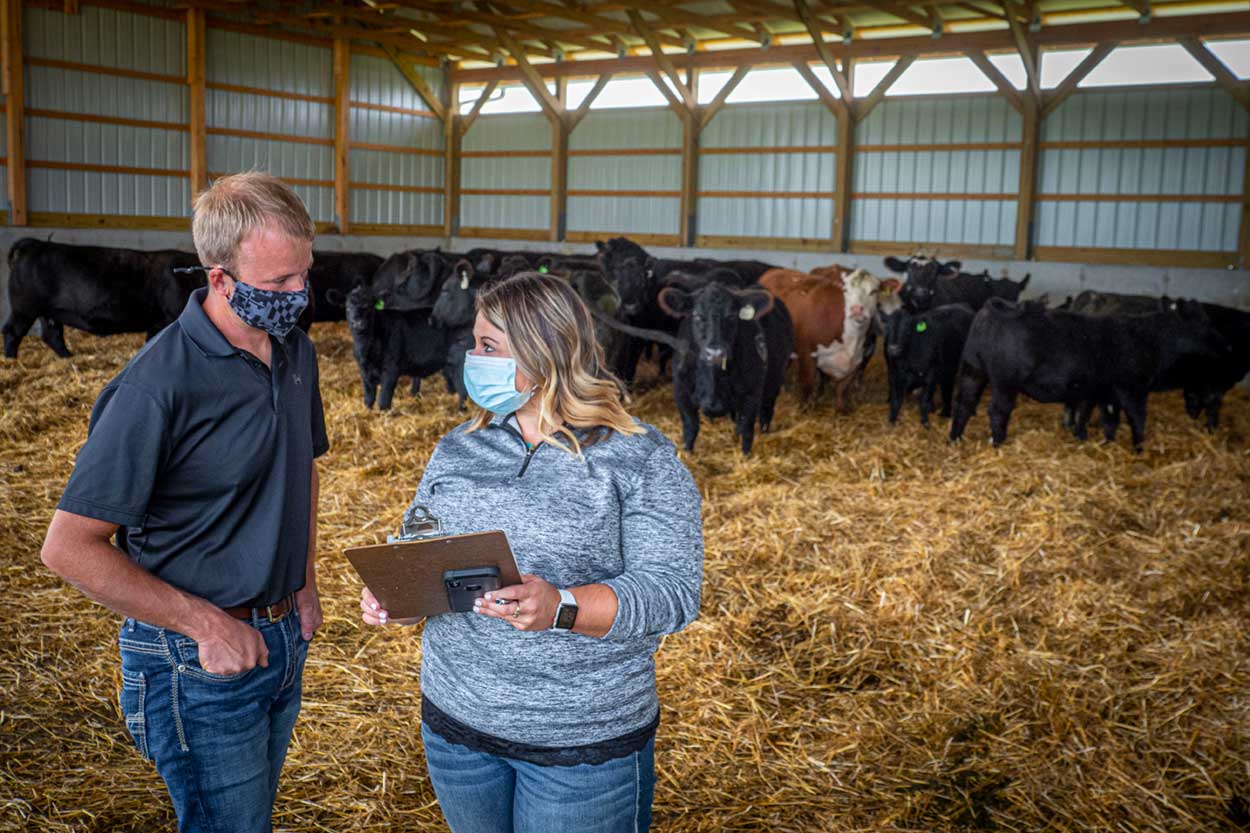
[100, 290]
[455, 311]
[1091, 302]
[333, 275]
[931, 283]
[639, 278]
[731, 353]
[1005, 287]
[924, 351]
[389, 343]
[1060, 356]
[410, 280]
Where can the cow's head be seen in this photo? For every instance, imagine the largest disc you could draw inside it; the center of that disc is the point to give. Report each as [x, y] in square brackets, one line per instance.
[454, 307]
[631, 269]
[715, 313]
[895, 325]
[410, 277]
[923, 274]
[361, 307]
[596, 290]
[861, 293]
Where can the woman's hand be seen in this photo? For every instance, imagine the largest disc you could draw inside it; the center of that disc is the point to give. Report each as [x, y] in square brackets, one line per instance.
[373, 614]
[528, 606]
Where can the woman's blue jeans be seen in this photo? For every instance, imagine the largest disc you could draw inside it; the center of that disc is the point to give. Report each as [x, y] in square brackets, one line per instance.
[481, 793]
[217, 741]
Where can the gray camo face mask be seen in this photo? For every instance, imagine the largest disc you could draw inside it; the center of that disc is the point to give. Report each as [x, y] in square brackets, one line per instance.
[264, 309]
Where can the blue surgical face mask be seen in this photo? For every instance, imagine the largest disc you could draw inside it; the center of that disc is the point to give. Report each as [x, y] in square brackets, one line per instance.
[265, 309]
[491, 383]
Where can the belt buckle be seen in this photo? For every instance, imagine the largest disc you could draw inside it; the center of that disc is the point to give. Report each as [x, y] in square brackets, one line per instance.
[269, 614]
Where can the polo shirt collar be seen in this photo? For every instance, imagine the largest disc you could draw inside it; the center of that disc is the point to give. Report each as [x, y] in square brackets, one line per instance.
[202, 332]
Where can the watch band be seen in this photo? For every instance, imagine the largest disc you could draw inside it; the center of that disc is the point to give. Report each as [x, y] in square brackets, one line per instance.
[567, 600]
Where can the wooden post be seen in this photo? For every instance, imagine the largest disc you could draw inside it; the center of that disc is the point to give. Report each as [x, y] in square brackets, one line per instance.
[195, 84]
[342, 122]
[689, 177]
[845, 171]
[1025, 204]
[1243, 235]
[559, 177]
[451, 161]
[15, 112]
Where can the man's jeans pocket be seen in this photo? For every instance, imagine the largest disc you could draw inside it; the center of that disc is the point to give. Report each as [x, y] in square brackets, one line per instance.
[187, 653]
[133, 699]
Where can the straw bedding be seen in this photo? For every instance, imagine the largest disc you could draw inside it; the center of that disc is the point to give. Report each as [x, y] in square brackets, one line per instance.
[897, 634]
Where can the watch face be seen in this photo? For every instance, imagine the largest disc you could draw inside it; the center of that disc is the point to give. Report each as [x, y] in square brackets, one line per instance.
[566, 617]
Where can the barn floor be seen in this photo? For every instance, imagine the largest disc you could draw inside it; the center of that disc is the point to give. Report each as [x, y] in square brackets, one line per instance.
[897, 634]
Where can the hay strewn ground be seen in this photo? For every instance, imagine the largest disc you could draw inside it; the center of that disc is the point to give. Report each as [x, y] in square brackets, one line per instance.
[896, 634]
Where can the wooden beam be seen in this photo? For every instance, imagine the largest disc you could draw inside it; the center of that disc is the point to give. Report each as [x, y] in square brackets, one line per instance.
[834, 104]
[342, 123]
[14, 113]
[709, 112]
[575, 118]
[1027, 50]
[1005, 89]
[845, 162]
[453, 129]
[870, 102]
[822, 49]
[1068, 86]
[1025, 201]
[1239, 90]
[687, 99]
[559, 179]
[414, 78]
[195, 86]
[901, 11]
[674, 102]
[689, 178]
[533, 81]
[1243, 232]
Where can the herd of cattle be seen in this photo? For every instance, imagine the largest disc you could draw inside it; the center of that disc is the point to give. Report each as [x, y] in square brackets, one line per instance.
[729, 328]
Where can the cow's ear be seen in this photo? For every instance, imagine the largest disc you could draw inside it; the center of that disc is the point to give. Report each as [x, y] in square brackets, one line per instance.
[464, 271]
[650, 268]
[895, 265]
[676, 302]
[754, 304]
[951, 267]
[601, 246]
[889, 286]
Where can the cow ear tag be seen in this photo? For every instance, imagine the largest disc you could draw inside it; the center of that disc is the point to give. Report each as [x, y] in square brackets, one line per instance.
[379, 304]
[921, 327]
[746, 313]
[542, 270]
[464, 279]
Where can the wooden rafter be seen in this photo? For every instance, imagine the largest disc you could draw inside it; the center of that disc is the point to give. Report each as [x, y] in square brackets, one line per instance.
[900, 11]
[708, 112]
[575, 117]
[1027, 50]
[466, 121]
[834, 104]
[1069, 84]
[674, 102]
[662, 60]
[1005, 88]
[1239, 90]
[532, 80]
[822, 49]
[877, 95]
[418, 83]
[447, 16]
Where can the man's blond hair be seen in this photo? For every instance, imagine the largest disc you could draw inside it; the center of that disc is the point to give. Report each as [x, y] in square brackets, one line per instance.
[237, 205]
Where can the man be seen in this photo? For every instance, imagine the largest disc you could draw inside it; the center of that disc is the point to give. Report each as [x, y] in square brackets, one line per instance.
[200, 457]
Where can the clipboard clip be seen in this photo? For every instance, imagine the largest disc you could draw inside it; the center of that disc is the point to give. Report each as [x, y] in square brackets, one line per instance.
[418, 523]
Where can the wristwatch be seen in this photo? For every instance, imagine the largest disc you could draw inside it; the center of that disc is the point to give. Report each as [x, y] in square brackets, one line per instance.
[566, 613]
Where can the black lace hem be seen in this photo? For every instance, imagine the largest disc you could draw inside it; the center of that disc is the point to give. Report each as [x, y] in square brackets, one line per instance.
[453, 731]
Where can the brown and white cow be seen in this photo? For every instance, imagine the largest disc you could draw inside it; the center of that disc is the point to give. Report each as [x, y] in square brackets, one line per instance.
[864, 295]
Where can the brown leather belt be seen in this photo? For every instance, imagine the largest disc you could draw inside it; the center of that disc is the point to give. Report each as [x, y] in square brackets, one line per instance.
[273, 612]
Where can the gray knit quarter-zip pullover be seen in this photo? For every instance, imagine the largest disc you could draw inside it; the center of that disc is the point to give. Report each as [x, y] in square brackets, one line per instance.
[628, 516]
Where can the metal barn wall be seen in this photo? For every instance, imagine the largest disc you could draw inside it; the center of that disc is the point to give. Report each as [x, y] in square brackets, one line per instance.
[62, 153]
[396, 155]
[606, 189]
[768, 171]
[1178, 186]
[305, 154]
[505, 173]
[910, 187]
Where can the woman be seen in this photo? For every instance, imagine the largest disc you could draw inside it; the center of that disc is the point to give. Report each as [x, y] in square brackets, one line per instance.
[539, 709]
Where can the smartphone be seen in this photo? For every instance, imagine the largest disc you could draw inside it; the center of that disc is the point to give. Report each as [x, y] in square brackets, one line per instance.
[464, 586]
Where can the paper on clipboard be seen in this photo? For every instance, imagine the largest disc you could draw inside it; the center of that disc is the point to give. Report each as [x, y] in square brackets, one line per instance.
[406, 573]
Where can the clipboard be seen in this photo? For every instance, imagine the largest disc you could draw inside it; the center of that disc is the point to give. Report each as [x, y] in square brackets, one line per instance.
[406, 574]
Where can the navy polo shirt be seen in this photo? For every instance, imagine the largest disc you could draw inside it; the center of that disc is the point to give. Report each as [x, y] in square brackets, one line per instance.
[203, 458]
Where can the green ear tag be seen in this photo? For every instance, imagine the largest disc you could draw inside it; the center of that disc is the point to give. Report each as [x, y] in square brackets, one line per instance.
[542, 270]
[921, 327]
[379, 304]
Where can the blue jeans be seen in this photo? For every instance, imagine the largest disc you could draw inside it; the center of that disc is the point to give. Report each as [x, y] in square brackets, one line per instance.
[481, 793]
[218, 741]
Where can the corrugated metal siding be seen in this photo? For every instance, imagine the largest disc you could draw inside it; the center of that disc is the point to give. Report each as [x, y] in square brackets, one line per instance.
[266, 114]
[84, 192]
[105, 95]
[797, 124]
[503, 133]
[377, 81]
[1148, 114]
[107, 37]
[231, 154]
[268, 63]
[626, 130]
[941, 121]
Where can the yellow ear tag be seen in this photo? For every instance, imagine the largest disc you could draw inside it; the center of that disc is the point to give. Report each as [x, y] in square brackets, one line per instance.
[746, 313]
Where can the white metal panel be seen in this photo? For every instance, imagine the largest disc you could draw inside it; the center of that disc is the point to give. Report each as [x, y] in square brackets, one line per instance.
[377, 81]
[383, 128]
[106, 37]
[505, 172]
[940, 172]
[792, 218]
[266, 114]
[479, 211]
[625, 173]
[89, 192]
[269, 63]
[397, 208]
[625, 215]
[940, 120]
[49, 88]
[970, 222]
[763, 172]
[508, 132]
[232, 154]
[106, 144]
[771, 125]
[619, 129]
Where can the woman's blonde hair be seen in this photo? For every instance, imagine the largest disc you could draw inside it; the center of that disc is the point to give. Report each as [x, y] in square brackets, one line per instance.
[553, 343]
